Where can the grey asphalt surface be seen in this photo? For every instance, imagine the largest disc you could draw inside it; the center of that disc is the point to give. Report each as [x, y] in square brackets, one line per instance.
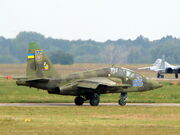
[86, 104]
[164, 79]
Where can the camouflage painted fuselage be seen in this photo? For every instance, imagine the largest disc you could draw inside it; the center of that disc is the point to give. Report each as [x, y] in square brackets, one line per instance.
[69, 84]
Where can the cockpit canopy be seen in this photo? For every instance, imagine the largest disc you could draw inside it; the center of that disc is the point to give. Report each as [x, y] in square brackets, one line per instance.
[124, 72]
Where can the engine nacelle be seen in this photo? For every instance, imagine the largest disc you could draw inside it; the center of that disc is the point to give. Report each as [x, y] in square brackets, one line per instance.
[70, 89]
[178, 71]
[169, 70]
[54, 91]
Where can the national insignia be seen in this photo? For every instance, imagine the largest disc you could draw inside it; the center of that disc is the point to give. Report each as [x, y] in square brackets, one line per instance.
[45, 66]
[38, 54]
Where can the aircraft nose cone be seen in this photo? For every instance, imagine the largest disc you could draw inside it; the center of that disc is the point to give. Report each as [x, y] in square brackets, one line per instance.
[156, 85]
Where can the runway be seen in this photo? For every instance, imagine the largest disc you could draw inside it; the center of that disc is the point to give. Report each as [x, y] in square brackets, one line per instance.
[87, 104]
[164, 79]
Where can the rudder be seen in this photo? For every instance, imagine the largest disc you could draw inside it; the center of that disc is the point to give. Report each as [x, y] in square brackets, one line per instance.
[38, 65]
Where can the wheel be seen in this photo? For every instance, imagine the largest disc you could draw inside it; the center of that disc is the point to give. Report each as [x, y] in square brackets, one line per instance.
[158, 75]
[79, 100]
[162, 76]
[94, 100]
[176, 75]
[122, 102]
[123, 99]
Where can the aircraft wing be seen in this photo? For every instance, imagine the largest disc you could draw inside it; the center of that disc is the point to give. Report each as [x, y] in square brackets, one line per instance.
[153, 68]
[145, 68]
[175, 67]
[93, 83]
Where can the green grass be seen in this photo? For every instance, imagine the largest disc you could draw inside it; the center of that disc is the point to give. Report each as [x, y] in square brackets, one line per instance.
[105, 120]
[9, 92]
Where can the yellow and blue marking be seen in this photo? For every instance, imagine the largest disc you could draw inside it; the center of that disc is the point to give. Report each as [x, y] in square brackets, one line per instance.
[38, 51]
[38, 54]
[30, 55]
[45, 66]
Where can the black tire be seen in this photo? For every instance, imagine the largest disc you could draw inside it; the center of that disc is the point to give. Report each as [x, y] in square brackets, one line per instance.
[122, 102]
[94, 100]
[79, 101]
[158, 75]
[162, 76]
[176, 75]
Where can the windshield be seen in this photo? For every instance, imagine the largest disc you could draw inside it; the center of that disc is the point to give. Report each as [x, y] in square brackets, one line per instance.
[125, 72]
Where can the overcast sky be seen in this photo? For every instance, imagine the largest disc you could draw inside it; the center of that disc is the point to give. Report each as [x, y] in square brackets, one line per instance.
[91, 19]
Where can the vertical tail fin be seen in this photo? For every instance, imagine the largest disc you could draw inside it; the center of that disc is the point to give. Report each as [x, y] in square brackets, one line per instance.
[38, 65]
[159, 64]
[162, 65]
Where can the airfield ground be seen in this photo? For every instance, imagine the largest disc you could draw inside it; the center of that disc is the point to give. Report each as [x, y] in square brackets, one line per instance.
[87, 120]
[105, 120]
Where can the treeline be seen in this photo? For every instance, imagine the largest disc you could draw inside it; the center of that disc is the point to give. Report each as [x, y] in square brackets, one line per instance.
[138, 51]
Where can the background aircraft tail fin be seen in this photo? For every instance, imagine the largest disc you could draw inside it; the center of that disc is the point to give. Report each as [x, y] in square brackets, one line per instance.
[159, 64]
[162, 64]
[38, 65]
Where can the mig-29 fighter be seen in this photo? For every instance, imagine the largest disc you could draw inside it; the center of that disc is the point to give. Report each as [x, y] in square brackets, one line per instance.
[163, 67]
[88, 85]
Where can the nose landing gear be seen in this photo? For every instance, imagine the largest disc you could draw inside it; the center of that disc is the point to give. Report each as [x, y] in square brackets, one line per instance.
[122, 101]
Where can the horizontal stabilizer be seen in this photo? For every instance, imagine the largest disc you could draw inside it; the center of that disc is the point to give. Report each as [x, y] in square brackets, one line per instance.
[38, 80]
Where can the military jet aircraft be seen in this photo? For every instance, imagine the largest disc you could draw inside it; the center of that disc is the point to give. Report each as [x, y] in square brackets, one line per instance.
[163, 67]
[86, 85]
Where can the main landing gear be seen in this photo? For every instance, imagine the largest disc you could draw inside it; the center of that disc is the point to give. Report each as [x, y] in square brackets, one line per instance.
[159, 75]
[176, 75]
[123, 99]
[93, 99]
[79, 100]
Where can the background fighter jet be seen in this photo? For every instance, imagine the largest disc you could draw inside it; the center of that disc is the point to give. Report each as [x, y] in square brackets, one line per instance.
[163, 67]
[86, 85]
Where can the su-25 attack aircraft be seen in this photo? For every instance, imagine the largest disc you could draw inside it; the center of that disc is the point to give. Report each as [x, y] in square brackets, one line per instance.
[163, 67]
[86, 85]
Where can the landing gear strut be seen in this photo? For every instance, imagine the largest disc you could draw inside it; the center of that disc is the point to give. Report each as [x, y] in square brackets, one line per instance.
[94, 99]
[123, 99]
[159, 75]
[79, 100]
[176, 75]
